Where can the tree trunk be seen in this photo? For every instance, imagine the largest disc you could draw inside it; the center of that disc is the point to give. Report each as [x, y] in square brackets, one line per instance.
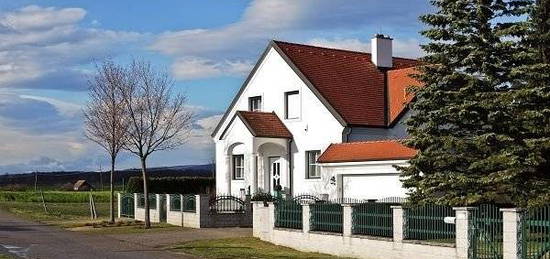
[112, 216]
[145, 192]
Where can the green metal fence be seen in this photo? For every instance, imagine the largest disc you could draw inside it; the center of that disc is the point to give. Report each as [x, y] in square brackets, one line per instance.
[426, 223]
[288, 214]
[127, 205]
[152, 201]
[374, 219]
[189, 203]
[536, 233]
[326, 217]
[175, 202]
[486, 232]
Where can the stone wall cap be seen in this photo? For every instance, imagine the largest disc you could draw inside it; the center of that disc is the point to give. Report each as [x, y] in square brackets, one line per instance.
[512, 209]
[396, 207]
[464, 208]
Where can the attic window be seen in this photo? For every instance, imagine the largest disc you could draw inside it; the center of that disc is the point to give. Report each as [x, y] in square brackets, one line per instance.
[292, 105]
[255, 104]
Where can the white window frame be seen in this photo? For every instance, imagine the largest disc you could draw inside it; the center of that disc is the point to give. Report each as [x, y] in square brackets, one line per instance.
[237, 169]
[251, 102]
[287, 94]
[310, 164]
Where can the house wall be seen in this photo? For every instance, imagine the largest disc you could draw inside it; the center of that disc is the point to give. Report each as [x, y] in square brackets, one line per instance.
[314, 130]
[398, 131]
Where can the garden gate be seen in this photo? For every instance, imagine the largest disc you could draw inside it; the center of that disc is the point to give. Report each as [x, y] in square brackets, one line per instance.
[127, 202]
[486, 237]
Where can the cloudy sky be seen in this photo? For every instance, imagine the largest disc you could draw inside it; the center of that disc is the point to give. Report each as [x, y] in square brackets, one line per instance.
[47, 48]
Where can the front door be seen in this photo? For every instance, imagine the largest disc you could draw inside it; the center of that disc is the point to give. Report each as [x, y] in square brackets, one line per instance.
[275, 172]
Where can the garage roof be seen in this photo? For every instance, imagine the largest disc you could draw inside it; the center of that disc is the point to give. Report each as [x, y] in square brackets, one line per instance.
[366, 151]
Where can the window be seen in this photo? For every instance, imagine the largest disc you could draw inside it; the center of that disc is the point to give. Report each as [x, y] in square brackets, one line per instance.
[312, 168]
[238, 167]
[255, 104]
[292, 105]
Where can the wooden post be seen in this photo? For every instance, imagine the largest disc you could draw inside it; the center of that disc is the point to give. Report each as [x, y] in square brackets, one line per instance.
[44, 203]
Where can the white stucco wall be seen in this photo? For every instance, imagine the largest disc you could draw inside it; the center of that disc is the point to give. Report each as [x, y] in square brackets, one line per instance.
[314, 130]
[366, 180]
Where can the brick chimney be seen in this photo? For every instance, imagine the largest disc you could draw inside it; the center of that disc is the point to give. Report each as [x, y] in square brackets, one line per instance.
[381, 52]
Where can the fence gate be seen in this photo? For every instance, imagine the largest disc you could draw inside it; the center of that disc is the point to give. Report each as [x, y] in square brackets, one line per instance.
[162, 208]
[486, 233]
[536, 234]
[127, 205]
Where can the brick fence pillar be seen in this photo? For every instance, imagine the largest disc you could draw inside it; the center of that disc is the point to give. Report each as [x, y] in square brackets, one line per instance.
[398, 224]
[512, 234]
[462, 228]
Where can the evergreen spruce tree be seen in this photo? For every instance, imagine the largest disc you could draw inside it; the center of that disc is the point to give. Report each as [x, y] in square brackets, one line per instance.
[460, 124]
[529, 106]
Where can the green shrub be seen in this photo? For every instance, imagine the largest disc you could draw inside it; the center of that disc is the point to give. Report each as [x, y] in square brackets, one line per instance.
[180, 184]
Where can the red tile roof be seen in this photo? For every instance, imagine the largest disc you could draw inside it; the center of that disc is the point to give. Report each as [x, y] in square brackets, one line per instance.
[351, 83]
[366, 151]
[398, 82]
[264, 124]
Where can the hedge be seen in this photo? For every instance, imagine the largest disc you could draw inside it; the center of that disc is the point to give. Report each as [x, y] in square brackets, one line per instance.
[178, 184]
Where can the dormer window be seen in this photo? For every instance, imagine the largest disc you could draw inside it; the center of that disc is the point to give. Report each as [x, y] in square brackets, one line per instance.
[255, 103]
[292, 105]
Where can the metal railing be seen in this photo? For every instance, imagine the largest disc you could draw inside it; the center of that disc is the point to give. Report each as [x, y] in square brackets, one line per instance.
[536, 233]
[152, 201]
[327, 217]
[373, 219]
[486, 232]
[427, 223]
[288, 214]
[175, 202]
[189, 203]
[227, 204]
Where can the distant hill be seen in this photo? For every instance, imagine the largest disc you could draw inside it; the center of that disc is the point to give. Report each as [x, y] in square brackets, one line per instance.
[56, 179]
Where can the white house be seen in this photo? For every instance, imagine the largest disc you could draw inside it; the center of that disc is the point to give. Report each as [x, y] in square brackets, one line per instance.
[318, 121]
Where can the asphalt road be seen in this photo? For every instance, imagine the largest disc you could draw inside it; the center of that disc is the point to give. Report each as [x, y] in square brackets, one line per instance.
[28, 239]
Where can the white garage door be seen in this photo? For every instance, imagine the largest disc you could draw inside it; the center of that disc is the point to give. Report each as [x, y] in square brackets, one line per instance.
[376, 186]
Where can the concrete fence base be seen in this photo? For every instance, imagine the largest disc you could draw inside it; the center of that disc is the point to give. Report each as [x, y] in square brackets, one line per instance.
[202, 217]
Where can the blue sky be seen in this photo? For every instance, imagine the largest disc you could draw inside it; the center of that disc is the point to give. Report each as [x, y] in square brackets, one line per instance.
[48, 48]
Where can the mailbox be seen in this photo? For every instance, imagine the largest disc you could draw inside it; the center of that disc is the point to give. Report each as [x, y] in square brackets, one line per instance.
[449, 220]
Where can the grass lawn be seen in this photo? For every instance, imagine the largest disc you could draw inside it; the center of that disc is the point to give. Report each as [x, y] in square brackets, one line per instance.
[245, 247]
[76, 217]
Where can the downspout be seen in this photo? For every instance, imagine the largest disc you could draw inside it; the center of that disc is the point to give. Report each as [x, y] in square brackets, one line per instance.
[346, 133]
[289, 154]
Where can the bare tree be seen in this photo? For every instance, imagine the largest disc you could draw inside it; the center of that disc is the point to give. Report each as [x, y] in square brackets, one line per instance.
[159, 120]
[104, 115]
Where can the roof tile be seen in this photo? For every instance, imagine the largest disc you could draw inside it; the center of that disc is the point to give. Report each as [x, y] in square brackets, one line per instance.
[264, 124]
[366, 151]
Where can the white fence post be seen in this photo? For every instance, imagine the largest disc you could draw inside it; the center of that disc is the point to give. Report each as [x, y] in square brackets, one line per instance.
[398, 224]
[119, 202]
[462, 228]
[512, 234]
[347, 220]
[305, 218]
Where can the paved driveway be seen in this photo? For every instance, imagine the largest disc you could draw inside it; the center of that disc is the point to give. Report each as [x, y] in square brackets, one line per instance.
[34, 240]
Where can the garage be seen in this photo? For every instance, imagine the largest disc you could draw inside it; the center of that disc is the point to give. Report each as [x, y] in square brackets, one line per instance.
[372, 186]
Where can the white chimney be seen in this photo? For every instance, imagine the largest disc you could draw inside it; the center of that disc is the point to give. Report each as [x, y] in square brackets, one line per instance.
[381, 53]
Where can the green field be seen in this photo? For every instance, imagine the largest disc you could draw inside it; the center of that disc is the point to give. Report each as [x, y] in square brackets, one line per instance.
[54, 196]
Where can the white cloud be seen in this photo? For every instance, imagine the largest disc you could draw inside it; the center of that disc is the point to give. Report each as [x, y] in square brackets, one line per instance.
[195, 68]
[41, 45]
[35, 17]
[200, 53]
[65, 108]
[409, 48]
